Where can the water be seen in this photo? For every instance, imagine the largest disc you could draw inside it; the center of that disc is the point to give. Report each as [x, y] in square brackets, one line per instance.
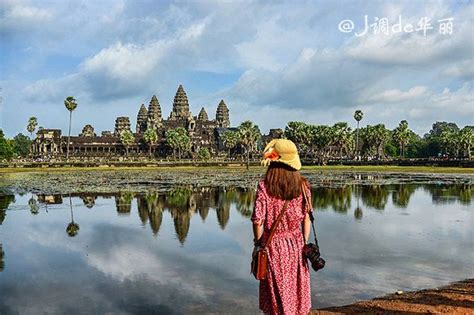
[188, 251]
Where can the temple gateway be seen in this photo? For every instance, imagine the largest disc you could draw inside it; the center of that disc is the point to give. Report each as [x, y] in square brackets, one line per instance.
[203, 132]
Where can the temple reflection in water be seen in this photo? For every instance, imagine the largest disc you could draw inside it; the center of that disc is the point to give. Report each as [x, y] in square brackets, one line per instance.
[182, 202]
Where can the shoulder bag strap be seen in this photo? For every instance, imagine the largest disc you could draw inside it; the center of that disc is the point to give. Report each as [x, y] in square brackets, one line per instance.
[309, 205]
[275, 224]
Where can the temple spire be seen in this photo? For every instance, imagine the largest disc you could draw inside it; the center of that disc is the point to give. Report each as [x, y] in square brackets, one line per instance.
[203, 115]
[142, 118]
[154, 113]
[180, 105]
[222, 115]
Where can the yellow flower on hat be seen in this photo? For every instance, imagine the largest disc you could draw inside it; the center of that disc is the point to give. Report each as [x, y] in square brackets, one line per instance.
[281, 150]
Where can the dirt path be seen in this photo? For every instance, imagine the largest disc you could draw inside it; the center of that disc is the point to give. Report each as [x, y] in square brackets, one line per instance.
[456, 298]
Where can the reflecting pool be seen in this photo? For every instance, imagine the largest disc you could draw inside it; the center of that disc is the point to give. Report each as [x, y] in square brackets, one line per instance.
[188, 250]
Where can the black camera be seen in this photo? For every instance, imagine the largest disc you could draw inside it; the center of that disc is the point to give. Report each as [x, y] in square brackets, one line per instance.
[311, 252]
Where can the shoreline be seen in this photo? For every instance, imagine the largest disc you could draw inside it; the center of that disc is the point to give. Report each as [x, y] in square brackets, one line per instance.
[236, 166]
[454, 298]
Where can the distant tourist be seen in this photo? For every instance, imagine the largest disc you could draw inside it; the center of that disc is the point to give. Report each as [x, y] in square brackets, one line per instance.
[286, 288]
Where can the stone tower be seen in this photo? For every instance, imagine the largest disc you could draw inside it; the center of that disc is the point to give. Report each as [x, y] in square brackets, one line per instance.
[154, 113]
[180, 105]
[121, 124]
[203, 115]
[222, 115]
[87, 131]
[142, 118]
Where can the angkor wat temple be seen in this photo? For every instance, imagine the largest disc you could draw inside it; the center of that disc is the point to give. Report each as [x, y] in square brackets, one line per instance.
[204, 132]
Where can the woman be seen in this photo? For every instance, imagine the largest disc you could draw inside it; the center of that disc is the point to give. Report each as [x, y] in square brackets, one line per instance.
[286, 289]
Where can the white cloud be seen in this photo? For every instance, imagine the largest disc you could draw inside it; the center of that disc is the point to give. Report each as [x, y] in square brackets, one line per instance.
[415, 48]
[21, 16]
[463, 70]
[125, 62]
[290, 58]
[422, 111]
[396, 95]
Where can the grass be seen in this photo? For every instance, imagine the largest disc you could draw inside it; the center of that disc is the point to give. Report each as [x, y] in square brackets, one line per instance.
[393, 169]
[347, 168]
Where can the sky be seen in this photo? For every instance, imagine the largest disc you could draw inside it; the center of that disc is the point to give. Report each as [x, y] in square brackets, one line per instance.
[271, 62]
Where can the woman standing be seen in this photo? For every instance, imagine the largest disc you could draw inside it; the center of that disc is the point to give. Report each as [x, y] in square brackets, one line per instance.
[286, 289]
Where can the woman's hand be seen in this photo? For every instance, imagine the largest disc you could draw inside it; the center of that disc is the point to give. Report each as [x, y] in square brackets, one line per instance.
[306, 225]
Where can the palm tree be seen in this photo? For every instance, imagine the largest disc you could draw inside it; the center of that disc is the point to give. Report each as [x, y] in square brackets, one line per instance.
[341, 136]
[297, 131]
[375, 138]
[72, 228]
[31, 127]
[71, 104]
[248, 134]
[358, 115]
[151, 137]
[321, 139]
[466, 139]
[2, 258]
[178, 139]
[127, 138]
[32, 123]
[33, 204]
[401, 135]
[230, 139]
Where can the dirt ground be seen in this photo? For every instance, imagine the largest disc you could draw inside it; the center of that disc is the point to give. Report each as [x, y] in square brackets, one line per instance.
[456, 298]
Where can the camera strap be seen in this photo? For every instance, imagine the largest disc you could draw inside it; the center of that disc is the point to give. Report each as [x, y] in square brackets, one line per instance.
[310, 211]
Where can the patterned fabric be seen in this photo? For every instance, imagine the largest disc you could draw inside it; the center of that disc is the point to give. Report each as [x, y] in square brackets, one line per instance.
[287, 287]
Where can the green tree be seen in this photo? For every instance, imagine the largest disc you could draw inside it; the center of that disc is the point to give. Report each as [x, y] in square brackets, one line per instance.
[358, 115]
[151, 138]
[6, 149]
[2, 258]
[248, 134]
[401, 135]
[230, 139]
[341, 137]
[433, 143]
[297, 131]
[5, 200]
[72, 228]
[450, 142]
[321, 140]
[466, 139]
[71, 104]
[21, 145]
[204, 154]
[31, 127]
[127, 138]
[33, 204]
[179, 140]
[375, 139]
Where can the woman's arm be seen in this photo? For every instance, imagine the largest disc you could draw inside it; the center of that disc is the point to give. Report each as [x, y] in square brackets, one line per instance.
[306, 226]
[257, 232]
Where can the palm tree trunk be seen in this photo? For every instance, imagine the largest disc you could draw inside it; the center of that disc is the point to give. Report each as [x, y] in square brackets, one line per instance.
[357, 141]
[70, 207]
[69, 136]
[31, 146]
[248, 158]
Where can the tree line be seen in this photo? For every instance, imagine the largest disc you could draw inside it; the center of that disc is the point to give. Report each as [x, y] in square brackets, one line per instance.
[316, 142]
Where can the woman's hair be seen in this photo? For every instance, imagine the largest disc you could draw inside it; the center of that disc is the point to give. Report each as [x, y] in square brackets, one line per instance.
[283, 182]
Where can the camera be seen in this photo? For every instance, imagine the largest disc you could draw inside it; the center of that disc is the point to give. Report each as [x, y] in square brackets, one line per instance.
[311, 252]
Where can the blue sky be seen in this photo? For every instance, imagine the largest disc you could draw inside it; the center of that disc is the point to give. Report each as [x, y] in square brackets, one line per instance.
[272, 62]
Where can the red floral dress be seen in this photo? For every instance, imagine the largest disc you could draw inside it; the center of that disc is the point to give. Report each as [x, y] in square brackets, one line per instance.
[286, 290]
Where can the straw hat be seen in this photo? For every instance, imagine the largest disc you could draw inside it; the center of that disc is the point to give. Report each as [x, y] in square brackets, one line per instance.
[281, 150]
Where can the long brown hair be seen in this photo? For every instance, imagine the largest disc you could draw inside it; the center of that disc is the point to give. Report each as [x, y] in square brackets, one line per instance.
[283, 182]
